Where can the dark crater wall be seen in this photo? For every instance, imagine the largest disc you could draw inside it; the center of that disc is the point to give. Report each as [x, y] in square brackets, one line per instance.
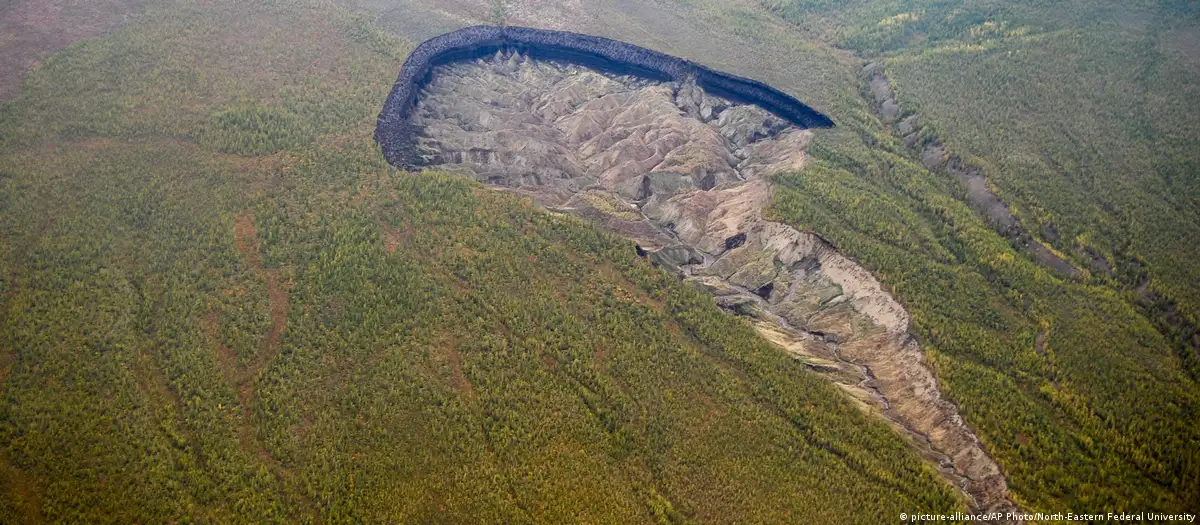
[398, 137]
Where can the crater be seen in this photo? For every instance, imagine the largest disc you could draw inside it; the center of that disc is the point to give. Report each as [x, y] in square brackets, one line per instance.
[683, 170]
[396, 135]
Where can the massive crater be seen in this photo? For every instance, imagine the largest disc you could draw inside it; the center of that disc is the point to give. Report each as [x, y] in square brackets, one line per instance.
[682, 167]
[396, 136]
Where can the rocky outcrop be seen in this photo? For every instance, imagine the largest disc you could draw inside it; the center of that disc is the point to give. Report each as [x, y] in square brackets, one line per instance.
[396, 134]
[685, 174]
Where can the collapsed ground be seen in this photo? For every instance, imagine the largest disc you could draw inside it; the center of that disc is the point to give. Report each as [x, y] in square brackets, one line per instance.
[686, 175]
[238, 311]
[1076, 394]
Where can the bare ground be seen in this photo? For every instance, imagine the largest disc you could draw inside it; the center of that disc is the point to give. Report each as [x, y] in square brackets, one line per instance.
[686, 176]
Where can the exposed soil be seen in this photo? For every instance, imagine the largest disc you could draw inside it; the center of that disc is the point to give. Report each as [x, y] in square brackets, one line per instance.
[30, 30]
[1039, 345]
[686, 175]
[244, 378]
[1164, 313]
[277, 298]
[982, 196]
[461, 383]
[278, 301]
[391, 240]
[246, 238]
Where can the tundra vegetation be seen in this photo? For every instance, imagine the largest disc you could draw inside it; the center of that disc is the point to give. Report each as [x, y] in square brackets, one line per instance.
[221, 305]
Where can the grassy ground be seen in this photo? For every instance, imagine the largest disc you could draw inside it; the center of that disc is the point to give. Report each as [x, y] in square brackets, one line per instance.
[305, 336]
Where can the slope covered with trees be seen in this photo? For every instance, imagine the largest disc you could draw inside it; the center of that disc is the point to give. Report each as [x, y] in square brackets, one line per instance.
[1082, 118]
[218, 301]
[221, 305]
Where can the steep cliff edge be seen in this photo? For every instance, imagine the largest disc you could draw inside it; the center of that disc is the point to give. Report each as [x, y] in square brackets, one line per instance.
[396, 134]
[685, 174]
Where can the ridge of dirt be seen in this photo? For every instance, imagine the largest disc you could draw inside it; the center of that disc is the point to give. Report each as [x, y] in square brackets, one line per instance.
[461, 383]
[243, 377]
[935, 156]
[685, 175]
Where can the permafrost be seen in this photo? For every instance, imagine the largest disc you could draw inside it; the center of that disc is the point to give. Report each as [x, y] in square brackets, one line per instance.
[684, 172]
[396, 135]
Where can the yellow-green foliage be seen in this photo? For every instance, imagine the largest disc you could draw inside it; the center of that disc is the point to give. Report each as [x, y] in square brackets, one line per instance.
[1104, 403]
[446, 354]
[610, 205]
[1082, 116]
[1088, 134]
[254, 131]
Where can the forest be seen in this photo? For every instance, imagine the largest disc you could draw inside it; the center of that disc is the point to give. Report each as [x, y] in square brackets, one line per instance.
[1079, 114]
[221, 305]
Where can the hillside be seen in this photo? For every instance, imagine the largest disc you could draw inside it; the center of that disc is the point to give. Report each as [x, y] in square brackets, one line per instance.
[221, 305]
[1076, 123]
[1081, 384]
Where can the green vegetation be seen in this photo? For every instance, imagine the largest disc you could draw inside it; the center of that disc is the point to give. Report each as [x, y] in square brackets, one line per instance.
[255, 131]
[220, 305]
[1077, 408]
[1081, 114]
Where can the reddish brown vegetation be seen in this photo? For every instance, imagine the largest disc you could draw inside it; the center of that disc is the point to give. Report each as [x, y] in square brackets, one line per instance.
[33, 29]
[243, 378]
[461, 383]
[246, 238]
[20, 492]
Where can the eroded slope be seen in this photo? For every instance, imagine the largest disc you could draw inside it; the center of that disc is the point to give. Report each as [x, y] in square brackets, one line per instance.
[686, 175]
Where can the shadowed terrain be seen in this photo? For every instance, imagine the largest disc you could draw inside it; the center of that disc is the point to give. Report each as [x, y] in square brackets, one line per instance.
[686, 175]
[394, 134]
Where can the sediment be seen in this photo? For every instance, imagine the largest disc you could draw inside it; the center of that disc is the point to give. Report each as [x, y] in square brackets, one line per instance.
[397, 136]
[685, 173]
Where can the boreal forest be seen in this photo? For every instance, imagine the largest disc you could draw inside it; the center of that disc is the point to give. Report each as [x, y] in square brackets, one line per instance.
[219, 302]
